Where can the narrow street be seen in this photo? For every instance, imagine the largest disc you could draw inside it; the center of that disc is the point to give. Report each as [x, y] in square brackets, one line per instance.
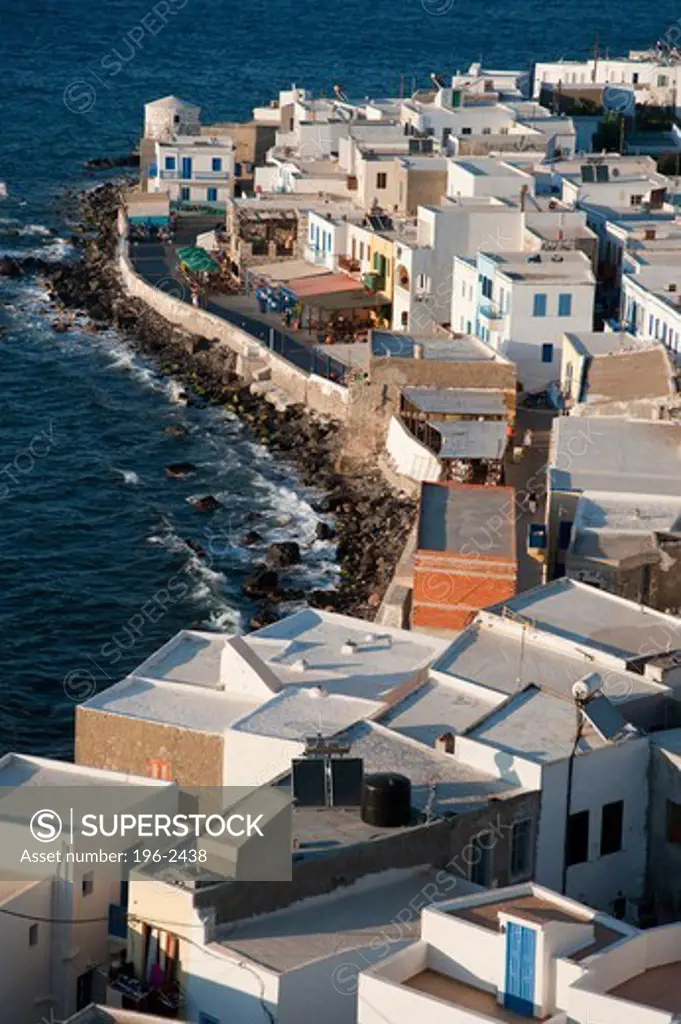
[526, 475]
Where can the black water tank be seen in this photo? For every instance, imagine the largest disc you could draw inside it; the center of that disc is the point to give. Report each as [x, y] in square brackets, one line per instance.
[386, 800]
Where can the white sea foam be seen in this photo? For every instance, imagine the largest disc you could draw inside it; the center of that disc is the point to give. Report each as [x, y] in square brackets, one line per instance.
[129, 477]
[53, 252]
[175, 392]
[14, 227]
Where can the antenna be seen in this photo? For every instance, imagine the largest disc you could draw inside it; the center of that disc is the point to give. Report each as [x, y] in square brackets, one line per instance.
[524, 621]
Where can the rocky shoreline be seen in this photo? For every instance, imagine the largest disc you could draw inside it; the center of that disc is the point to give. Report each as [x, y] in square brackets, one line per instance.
[371, 519]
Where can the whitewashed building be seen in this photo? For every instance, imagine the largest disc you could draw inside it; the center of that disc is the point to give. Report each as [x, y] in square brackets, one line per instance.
[521, 304]
[489, 177]
[63, 922]
[592, 773]
[525, 952]
[194, 170]
[424, 251]
[166, 118]
[653, 78]
[651, 302]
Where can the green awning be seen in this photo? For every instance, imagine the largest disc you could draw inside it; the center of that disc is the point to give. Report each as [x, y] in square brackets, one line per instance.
[197, 259]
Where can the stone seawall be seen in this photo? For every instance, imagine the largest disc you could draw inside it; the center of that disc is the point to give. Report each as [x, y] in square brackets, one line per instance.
[254, 361]
[299, 417]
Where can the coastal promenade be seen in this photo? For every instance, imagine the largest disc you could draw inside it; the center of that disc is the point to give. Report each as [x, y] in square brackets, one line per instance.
[157, 263]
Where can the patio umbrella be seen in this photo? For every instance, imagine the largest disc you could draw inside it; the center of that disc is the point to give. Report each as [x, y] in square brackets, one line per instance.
[197, 260]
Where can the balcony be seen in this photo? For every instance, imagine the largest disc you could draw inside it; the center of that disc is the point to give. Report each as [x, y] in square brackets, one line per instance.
[217, 176]
[349, 265]
[126, 992]
[491, 312]
[373, 282]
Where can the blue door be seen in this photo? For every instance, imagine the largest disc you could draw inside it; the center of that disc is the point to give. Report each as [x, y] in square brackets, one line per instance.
[520, 966]
[186, 167]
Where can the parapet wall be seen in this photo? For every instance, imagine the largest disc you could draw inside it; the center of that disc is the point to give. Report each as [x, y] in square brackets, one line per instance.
[442, 844]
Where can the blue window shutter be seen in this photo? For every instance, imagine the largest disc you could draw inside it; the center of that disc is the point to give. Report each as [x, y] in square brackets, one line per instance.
[565, 304]
[170, 163]
[540, 304]
[212, 195]
[217, 163]
[547, 353]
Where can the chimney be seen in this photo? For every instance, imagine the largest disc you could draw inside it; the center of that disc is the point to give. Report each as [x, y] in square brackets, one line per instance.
[445, 743]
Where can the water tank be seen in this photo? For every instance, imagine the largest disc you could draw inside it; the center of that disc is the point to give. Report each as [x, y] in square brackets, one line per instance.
[386, 800]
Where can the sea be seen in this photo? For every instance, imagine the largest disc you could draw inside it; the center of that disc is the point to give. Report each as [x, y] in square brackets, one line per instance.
[98, 562]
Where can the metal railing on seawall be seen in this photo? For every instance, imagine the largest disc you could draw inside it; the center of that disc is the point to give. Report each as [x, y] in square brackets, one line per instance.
[309, 359]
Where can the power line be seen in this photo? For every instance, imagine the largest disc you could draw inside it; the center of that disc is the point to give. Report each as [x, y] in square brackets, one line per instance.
[156, 924]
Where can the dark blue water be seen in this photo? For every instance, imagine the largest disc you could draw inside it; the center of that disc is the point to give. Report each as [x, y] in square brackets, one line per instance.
[95, 573]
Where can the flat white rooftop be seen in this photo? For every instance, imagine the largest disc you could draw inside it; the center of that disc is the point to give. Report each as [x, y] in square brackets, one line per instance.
[299, 712]
[205, 710]
[595, 619]
[601, 343]
[462, 349]
[358, 917]
[601, 512]
[537, 725]
[187, 682]
[382, 658]
[436, 778]
[572, 265]
[23, 770]
[621, 456]
[499, 656]
[488, 166]
[437, 708]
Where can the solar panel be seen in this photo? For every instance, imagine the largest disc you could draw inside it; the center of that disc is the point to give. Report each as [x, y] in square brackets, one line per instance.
[605, 718]
[602, 173]
[588, 173]
[346, 781]
[379, 222]
[309, 782]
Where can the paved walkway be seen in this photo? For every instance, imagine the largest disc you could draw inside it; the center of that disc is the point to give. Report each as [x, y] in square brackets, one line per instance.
[529, 474]
[157, 263]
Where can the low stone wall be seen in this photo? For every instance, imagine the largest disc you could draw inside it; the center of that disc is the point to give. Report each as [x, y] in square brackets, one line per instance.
[317, 393]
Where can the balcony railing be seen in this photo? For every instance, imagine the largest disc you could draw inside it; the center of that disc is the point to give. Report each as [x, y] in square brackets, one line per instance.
[373, 282]
[490, 311]
[346, 263]
[218, 176]
[126, 990]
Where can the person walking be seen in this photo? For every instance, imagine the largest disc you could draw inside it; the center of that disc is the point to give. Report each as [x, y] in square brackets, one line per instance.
[532, 502]
[527, 438]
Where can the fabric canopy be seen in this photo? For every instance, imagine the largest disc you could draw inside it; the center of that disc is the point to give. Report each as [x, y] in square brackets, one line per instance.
[197, 259]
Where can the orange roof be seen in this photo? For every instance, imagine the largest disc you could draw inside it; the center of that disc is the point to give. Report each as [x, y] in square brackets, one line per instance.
[328, 284]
